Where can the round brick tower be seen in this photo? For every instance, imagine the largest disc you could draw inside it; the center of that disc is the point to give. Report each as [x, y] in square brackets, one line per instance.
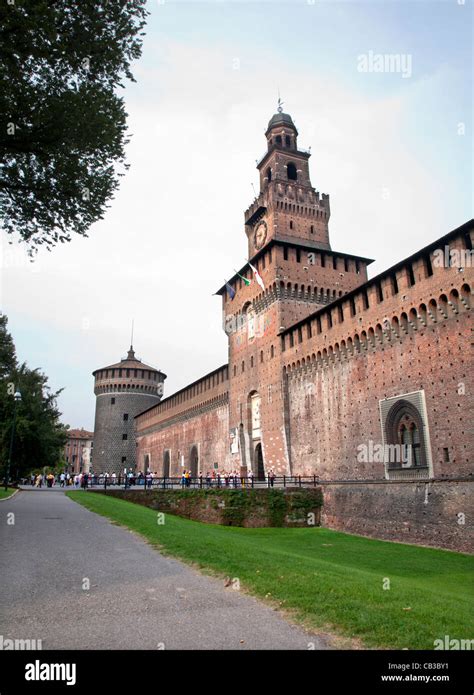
[122, 391]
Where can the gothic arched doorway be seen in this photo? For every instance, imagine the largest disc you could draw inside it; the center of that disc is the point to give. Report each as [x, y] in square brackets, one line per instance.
[166, 464]
[259, 466]
[194, 461]
[146, 464]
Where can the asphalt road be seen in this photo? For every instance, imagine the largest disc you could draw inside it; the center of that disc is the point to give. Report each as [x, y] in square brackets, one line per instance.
[138, 599]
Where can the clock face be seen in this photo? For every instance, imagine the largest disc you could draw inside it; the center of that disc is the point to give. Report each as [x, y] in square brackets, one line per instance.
[260, 235]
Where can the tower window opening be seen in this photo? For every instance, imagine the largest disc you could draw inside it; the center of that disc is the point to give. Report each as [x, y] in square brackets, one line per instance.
[287, 141]
[112, 401]
[278, 140]
[124, 436]
[291, 172]
[334, 262]
[346, 265]
[312, 229]
[268, 174]
[285, 253]
[323, 260]
[291, 224]
[298, 255]
[125, 417]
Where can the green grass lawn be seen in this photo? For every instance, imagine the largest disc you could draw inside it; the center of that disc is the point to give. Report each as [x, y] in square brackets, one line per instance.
[326, 579]
[8, 493]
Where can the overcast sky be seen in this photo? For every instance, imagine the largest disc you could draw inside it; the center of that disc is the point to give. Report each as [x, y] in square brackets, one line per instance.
[388, 147]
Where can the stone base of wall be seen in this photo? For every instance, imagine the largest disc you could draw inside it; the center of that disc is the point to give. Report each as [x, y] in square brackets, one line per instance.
[438, 513]
[248, 508]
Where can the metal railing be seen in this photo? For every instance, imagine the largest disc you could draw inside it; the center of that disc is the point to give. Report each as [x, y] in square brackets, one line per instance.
[203, 482]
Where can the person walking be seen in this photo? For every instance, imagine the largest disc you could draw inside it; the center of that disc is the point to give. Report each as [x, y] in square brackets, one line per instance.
[62, 479]
[85, 481]
[271, 476]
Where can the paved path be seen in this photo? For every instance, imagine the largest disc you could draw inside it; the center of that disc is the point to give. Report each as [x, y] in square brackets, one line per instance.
[138, 599]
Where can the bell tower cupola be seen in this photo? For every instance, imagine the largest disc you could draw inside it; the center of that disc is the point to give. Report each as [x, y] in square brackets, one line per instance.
[287, 207]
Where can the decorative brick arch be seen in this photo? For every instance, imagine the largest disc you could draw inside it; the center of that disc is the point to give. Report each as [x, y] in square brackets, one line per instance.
[401, 413]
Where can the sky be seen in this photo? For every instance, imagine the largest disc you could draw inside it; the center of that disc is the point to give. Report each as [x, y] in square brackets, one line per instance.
[392, 148]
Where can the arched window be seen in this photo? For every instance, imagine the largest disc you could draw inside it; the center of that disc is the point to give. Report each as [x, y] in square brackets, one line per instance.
[403, 427]
[287, 141]
[409, 437]
[278, 140]
[291, 172]
[268, 174]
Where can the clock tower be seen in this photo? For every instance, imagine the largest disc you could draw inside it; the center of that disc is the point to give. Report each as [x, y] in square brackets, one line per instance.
[298, 273]
[288, 207]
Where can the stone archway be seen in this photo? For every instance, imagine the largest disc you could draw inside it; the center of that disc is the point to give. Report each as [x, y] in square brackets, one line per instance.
[194, 461]
[166, 464]
[258, 462]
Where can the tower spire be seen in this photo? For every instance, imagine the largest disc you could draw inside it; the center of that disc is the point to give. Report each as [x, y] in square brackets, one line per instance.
[131, 353]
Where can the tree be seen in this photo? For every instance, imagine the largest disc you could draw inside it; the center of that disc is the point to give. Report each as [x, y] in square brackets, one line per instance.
[39, 435]
[63, 127]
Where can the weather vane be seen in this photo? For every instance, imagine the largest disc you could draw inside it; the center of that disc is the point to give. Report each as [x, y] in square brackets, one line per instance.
[280, 103]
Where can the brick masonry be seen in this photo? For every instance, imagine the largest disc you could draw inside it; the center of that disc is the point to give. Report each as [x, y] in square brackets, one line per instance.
[318, 357]
[248, 508]
[437, 513]
[122, 391]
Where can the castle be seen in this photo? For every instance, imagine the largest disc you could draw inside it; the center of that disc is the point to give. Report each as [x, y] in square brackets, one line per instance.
[365, 383]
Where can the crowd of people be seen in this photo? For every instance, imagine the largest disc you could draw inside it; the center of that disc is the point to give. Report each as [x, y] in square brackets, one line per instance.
[83, 480]
[225, 479]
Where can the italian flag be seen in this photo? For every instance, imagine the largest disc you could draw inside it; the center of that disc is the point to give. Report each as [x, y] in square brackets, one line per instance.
[245, 280]
[258, 279]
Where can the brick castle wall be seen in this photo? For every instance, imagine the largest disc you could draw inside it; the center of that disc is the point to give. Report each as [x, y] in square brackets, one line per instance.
[195, 417]
[436, 513]
[109, 428]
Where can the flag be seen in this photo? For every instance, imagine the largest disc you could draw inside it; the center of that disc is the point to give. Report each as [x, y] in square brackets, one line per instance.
[246, 280]
[230, 290]
[257, 276]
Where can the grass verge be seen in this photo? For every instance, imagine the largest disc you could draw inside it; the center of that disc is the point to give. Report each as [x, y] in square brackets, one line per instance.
[5, 494]
[326, 579]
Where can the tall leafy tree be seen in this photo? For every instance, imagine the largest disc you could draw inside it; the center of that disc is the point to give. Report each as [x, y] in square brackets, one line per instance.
[63, 126]
[39, 434]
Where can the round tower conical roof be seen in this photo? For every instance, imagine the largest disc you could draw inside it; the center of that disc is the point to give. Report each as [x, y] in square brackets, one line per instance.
[128, 362]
